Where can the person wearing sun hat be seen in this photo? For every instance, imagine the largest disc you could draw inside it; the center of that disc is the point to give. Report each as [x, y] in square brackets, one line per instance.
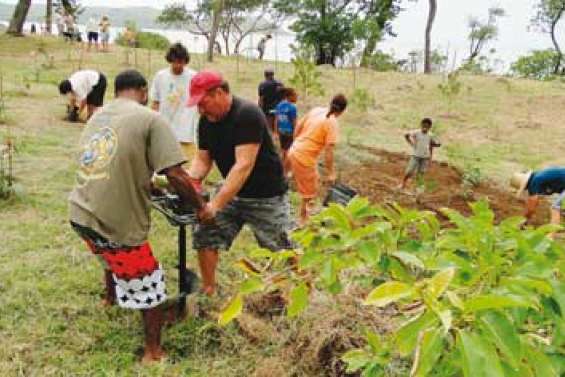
[232, 133]
[541, 183]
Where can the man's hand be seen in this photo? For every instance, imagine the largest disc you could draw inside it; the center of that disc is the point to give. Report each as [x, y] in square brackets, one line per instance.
[207, 214]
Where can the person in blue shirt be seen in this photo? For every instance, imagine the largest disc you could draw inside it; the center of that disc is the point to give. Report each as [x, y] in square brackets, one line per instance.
[285, 121]
[541, 183]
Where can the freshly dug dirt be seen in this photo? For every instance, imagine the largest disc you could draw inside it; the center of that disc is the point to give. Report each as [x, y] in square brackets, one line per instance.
[379, 178]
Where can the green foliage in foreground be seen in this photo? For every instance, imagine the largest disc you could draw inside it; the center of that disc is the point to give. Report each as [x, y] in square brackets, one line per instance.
[474, 299]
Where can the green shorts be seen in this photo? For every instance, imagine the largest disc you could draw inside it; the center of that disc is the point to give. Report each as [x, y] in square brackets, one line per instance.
[417, 165]
[268, 218]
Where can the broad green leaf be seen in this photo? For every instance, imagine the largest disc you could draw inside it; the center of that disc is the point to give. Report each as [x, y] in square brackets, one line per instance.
[310, 258]
[428, 351]
[233, 310]
[538, 285]
[407, 336]
[298, 300]
[339, 216]
[479, 358]
[496, 302]
[369, 251]
[387, 293]
[374, 341]
[540, 363]
[251, 285]
[503, 335]
[440, 281]
[356, 359]
[446, 318]
[455, 300]
[409, 260]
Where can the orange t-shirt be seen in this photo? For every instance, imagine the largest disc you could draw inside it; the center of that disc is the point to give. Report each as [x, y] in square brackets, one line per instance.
[314, 133]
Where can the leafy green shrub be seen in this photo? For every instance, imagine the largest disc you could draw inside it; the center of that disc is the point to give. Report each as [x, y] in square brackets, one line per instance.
[382, 62]
[450, 89]
[539, 65]
[475, 299]
[143, 39]
[306, 78]
[362, 99]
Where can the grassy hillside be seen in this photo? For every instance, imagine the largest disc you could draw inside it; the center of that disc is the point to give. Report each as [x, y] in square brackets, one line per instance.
[51, 323]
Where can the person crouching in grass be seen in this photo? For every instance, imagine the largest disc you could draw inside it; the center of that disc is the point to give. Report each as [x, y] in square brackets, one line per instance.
[317, 131]
[285, 122]
[423, 143]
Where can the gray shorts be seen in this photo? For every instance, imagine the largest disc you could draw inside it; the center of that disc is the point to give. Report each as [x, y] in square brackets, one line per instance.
[268, 218]
[105, 36]
[417, 165]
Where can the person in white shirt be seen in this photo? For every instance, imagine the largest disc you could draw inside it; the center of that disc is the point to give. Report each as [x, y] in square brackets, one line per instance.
[423, 143]
[169, 94]
[92, 33]
[85, 89]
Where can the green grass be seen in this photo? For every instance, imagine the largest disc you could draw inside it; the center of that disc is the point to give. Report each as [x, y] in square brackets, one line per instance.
[51, 323]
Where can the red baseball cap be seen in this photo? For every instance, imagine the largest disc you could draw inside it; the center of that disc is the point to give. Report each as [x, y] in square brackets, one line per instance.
[201, 83]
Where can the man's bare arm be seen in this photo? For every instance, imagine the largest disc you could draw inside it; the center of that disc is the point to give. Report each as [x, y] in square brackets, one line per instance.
[201, 165]
[408, 138]
[245, 157]
[181, 182]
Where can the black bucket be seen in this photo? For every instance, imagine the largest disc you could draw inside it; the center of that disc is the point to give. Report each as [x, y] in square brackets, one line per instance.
[339, 194]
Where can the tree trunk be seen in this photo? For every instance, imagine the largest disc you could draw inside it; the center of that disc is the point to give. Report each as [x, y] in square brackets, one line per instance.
[559, 58]
[49, 16]
[216, 17]
[428, 48]
[368, 50]
[20, 13]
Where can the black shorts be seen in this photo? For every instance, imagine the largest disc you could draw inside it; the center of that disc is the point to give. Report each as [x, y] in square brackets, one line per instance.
[96, 96]
[285, 140]
[92, 36]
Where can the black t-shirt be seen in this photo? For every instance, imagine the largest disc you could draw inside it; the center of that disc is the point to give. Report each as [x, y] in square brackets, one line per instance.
[244, 124]
[269, 90]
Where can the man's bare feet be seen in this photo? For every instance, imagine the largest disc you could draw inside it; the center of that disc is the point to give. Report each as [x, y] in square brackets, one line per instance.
[208, 290]
[153, 355]
[107, 302]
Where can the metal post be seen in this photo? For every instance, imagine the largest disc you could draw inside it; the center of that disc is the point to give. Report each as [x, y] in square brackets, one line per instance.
[183, 289]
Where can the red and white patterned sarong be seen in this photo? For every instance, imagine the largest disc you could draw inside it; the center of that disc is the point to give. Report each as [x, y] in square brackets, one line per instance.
[138, 277]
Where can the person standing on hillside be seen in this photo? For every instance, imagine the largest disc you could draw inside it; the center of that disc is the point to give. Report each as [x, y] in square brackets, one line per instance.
[85, 88]
[105, 33]
[423, 142]
[317, 131]
[261, 47]
[269, 96]
[92, 33]
[169, 94]
[541, 183]
[285, 122]
[232, 133]
[122, 146]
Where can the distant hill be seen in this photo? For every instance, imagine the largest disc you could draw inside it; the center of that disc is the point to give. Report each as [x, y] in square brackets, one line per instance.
[143, 16]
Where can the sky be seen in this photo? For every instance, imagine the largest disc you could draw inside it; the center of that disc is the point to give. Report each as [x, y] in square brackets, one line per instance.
[450, 29]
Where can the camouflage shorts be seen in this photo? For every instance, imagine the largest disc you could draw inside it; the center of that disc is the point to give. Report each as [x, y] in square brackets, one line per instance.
[268, 218]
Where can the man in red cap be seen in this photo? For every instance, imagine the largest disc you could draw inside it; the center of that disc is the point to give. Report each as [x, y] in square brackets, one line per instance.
[233, 134]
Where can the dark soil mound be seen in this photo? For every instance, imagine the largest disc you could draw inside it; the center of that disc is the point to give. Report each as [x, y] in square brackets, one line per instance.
[379, 178]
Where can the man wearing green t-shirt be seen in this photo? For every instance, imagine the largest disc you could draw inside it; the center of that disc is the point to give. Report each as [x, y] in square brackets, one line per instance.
[122, 146]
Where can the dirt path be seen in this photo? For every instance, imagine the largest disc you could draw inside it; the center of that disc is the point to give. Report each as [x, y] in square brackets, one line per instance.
[378, 179]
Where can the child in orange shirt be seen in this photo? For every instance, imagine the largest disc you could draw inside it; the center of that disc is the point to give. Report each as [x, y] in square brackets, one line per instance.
[314, 133]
